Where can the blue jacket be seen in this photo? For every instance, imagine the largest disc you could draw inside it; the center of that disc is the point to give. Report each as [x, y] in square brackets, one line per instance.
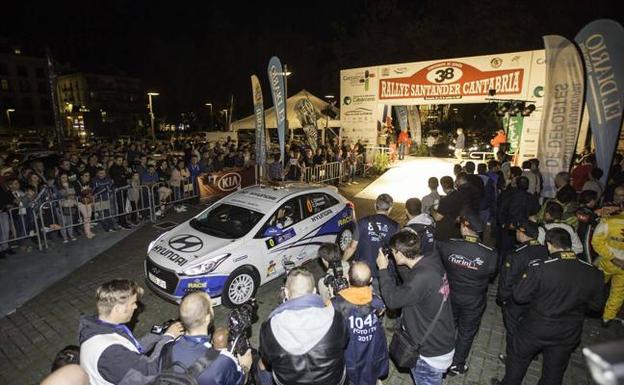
[223, 371]
[366, 355]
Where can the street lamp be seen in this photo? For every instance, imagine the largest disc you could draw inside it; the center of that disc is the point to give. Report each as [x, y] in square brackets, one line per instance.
[8, 113]
[211, 117]
[151, 110]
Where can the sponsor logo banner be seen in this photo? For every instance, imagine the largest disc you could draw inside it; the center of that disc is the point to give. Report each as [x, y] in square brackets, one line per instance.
[563, 107]
[276, 80]
[259, 114]
[306, 113]
[452, 80]
[222, 183]
[602, 45]
[514, 131]
[401, 112]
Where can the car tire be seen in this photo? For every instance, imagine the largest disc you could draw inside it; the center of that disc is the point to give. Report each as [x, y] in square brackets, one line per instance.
[343, 243]
[240, 287]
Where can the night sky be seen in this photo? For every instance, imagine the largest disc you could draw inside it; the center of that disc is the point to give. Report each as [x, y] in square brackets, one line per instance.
[198, 52]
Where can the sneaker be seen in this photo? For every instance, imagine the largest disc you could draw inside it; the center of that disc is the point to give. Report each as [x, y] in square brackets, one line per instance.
[110, 230]
[177, 209]
[65, 241]
[73, 238]
[502, 358]
[354, 182]
[183, 209]
[456, 369]
[158, 213]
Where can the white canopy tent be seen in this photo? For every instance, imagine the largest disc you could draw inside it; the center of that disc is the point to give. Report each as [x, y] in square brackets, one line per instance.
[323, 120]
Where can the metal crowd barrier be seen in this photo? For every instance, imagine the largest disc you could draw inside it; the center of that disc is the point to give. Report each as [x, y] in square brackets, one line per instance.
[17, 224]
[164, 194]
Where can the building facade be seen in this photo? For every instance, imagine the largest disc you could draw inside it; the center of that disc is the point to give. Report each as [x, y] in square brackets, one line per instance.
[25, 99]
[101, 105]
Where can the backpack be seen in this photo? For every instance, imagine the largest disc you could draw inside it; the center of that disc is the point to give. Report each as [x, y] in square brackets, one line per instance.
[168, 375]
[426, 234]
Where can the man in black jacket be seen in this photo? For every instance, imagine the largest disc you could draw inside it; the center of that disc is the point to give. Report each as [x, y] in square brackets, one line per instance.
[516, 206]
[303, 341]
[514, 264]
[447, 212]
[424, 291]
[559, 291]
[470, 266]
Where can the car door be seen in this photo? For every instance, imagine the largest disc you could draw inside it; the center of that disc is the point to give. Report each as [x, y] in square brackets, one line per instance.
[279, 243]
[319, 210]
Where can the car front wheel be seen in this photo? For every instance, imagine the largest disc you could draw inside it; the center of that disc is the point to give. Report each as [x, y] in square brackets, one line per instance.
[240, 287]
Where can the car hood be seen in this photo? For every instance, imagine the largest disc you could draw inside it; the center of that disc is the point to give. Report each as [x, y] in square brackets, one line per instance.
[183, 247]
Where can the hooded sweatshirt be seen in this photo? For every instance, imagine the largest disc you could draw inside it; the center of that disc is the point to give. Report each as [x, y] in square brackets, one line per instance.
[110, 354]
[303, 341]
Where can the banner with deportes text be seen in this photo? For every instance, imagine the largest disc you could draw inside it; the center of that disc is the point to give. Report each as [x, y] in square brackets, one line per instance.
[259, 121]
[602, 45]
[276, 80]
[563, 107]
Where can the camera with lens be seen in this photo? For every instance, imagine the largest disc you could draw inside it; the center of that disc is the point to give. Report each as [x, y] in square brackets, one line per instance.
[162, 328]
[335, 278]
[239, 323]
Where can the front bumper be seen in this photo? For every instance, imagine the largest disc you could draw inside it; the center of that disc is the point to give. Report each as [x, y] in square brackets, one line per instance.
[173, 287]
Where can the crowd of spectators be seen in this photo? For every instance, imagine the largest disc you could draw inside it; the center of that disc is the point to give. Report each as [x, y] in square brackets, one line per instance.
[435, 271]
[105, 183]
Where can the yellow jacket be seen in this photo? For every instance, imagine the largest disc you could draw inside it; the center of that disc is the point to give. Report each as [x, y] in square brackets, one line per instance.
[608, 239]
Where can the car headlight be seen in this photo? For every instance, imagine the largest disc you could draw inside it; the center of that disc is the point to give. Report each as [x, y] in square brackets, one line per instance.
[153, 243]
[207, 266]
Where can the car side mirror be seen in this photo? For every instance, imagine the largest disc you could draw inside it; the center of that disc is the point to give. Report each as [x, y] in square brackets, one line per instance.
[272, 231]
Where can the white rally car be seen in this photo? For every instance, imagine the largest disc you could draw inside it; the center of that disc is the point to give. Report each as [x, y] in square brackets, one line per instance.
[241, 241]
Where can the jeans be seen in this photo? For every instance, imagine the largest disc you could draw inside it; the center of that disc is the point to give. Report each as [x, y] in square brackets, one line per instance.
[401, 151]
[425, 374]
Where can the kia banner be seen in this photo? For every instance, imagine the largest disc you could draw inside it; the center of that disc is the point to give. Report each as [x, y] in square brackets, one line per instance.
[563, 108]
[276, 80]
[307, 117]
[259, 114]
[602, 45]
[216, 185]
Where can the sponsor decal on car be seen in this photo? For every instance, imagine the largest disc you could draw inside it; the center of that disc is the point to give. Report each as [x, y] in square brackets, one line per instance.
[170, 255]
[271, 269]
[186, 243]
[321, 215]
[238, 259]
[283, 237]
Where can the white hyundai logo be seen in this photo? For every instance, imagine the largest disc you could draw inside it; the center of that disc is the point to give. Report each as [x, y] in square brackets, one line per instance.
[229, 182]
[186, 243]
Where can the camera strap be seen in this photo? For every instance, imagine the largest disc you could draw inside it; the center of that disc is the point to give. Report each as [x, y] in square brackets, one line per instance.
[431, 325]
[196, 368]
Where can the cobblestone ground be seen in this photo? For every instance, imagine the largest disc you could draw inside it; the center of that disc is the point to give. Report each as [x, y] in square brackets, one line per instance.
[30, 337]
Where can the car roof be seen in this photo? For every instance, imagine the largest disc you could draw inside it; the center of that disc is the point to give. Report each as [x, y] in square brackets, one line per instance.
[264, 198]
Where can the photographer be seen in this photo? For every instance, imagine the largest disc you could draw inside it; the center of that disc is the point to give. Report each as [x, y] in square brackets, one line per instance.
[426, 317]
[366, 355]
[109, 352]
[303, 340]
[336, 269]
[196, 315]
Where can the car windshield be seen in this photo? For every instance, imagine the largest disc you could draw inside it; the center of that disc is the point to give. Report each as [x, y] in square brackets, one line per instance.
[226, 221]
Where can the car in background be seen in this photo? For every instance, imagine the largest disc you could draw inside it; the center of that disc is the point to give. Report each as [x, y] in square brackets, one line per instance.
[245, 239]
